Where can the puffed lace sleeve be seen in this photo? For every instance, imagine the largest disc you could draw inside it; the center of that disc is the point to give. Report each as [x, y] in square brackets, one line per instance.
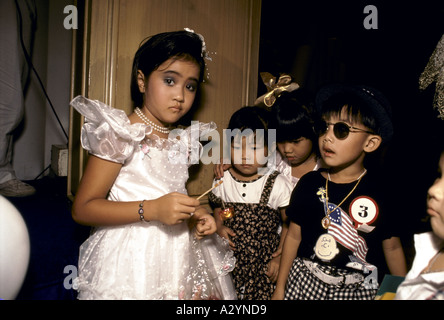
[107, 132]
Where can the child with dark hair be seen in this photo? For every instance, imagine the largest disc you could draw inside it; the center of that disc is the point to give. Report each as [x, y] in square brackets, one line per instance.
[249, 207]
[177, 45]
[293, 117]
[425, 279]
[341, 236]
[133, 190]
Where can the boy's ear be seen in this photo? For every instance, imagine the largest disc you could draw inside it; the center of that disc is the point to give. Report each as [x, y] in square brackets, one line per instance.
[373, 142]
[141, 81]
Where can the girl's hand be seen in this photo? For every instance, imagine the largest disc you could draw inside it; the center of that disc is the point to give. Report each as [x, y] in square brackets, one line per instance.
[273, 269]
[205, 225]
[220, 168]
[228, 234]
[277, 253]
[173, 208]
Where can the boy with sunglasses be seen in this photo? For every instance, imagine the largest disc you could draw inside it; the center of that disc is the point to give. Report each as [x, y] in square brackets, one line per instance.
[341, 239]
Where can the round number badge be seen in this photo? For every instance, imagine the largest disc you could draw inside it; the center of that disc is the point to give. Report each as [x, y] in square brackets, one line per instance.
[364, 211]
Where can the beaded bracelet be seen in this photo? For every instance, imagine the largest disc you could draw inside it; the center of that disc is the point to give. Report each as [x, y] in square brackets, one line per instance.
[141, 217]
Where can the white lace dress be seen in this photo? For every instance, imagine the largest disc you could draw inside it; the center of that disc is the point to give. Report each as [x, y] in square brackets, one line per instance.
[146, 260]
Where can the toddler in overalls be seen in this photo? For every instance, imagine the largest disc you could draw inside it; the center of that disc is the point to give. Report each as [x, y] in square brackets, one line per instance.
[249, 207]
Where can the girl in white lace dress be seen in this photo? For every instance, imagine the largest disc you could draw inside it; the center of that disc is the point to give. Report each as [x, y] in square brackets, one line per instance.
[145, 241]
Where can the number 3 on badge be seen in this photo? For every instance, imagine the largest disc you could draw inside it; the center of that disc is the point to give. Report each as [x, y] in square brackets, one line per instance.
[364, 211]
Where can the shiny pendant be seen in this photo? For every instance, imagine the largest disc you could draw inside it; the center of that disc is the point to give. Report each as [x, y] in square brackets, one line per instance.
[326, 221]
[227, 213]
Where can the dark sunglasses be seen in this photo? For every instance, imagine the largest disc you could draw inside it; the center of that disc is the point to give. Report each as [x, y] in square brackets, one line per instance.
[340, 129]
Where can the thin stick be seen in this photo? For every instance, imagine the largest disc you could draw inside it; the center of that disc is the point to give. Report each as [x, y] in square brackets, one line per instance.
[216, 185]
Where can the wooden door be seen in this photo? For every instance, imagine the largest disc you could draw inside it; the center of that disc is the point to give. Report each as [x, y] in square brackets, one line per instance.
[112, 30]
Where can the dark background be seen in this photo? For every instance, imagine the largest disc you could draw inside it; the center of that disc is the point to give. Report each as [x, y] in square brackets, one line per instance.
[319, 42]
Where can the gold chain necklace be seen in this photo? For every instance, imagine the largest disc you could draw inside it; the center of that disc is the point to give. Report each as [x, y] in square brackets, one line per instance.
[326, 221]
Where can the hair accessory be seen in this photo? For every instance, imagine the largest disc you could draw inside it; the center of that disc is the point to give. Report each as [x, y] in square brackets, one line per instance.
[204, 53]
[150, 123]
[434, 72]
[141, 217]
[275, 88]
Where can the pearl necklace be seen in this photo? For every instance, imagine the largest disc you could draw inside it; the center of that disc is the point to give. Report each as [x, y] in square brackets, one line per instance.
[150, 123]
[326, 221]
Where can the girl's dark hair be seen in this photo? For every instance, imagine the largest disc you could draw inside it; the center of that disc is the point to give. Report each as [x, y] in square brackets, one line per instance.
[293, 116]
[253, 118]
[157, 49]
